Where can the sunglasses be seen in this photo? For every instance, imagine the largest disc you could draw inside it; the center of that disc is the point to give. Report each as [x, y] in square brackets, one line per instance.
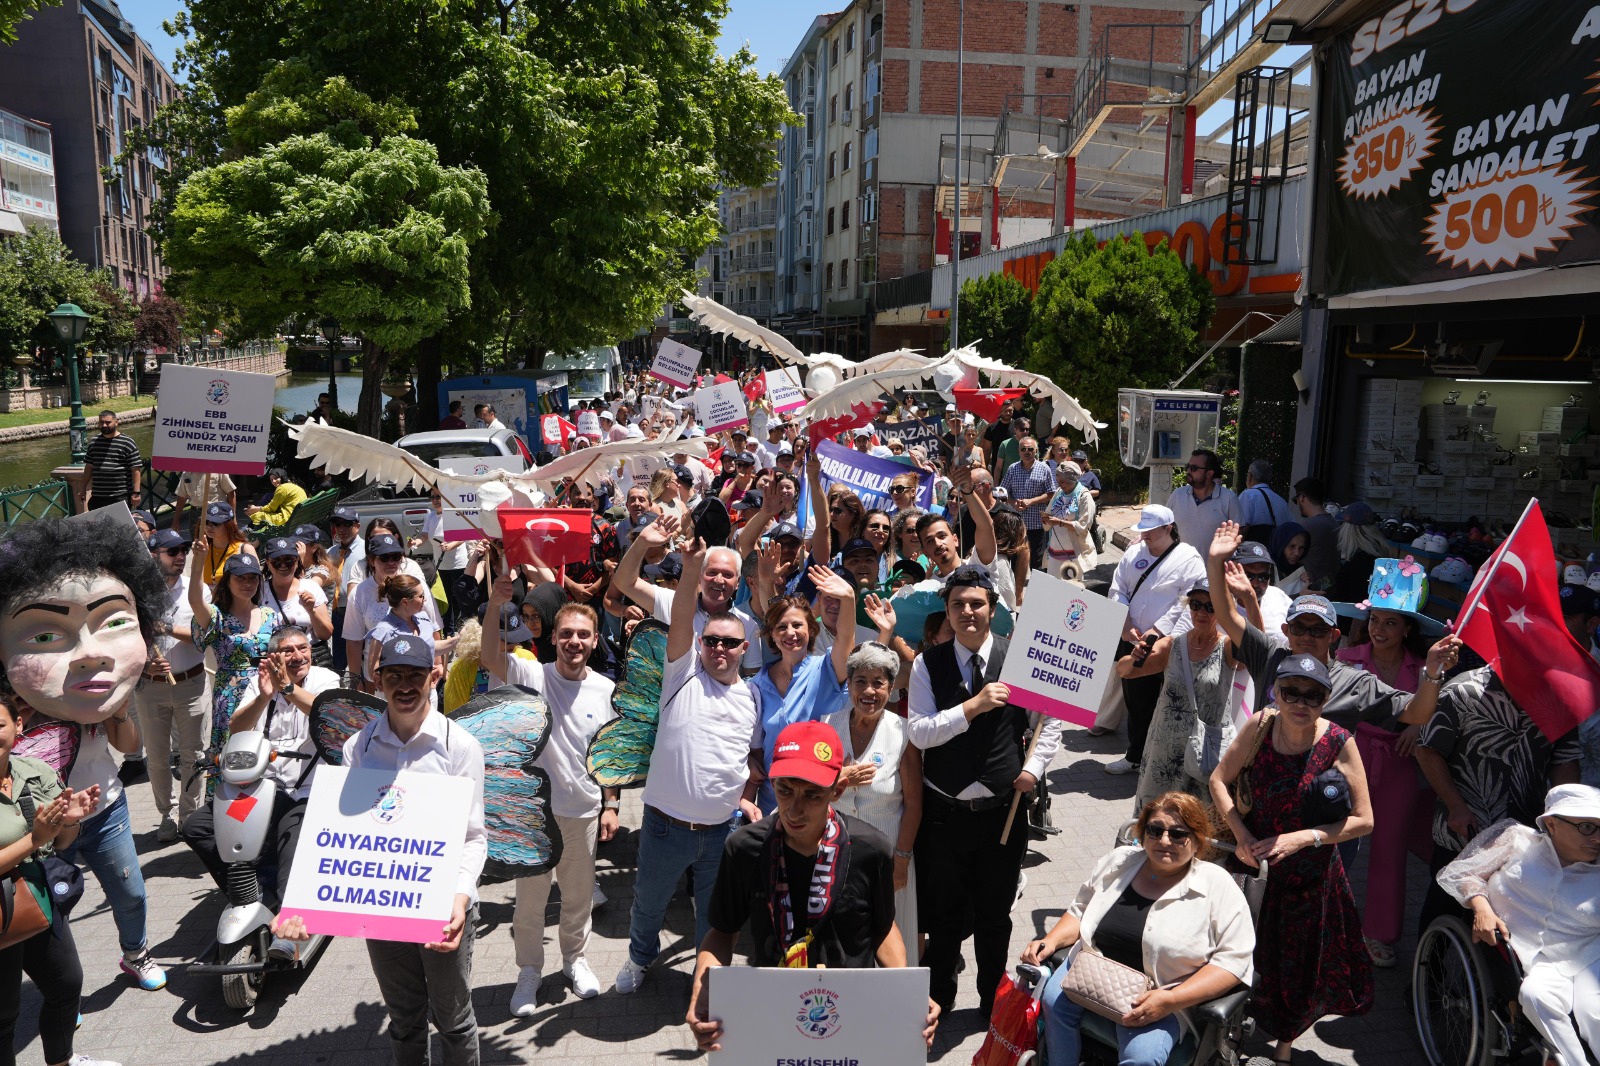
[1314, 632]
[899, 488]
[284, 564]
[725, 643]
[1203, 606]
[245, 577]
[1177, 835]
[393, 557]
[1193, 466]
[1587, 829]
[1304, 697]
[209, 522]
[177, 552]
[838, 510]
[1257, 577]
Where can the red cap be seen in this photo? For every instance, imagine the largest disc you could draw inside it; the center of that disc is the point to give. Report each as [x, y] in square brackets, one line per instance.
[810, 751]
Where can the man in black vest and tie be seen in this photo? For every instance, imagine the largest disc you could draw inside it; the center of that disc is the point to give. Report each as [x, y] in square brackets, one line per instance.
[972, 742]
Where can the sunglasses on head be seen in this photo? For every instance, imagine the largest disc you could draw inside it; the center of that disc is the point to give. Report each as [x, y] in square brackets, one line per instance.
[1304, 697]
[726, 643]
[1314, 632]
[1176, 834]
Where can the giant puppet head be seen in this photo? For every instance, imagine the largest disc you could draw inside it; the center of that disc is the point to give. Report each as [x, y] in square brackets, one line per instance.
[79, 600]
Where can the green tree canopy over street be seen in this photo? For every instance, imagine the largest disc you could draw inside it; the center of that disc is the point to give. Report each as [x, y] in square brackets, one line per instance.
[602, 129]
[995, 313]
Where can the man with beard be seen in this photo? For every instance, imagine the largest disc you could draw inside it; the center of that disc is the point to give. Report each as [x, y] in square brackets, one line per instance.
[112, 467]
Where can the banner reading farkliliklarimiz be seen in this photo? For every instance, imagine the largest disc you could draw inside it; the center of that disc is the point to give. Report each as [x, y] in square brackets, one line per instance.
[1463, 139]
[868, 476]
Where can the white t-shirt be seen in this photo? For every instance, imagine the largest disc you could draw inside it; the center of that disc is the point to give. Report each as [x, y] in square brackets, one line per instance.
[704, 738]
[752, 632]
[289, 729]
[577, 711]
[291, 609]
[452, 553]
[97, 764]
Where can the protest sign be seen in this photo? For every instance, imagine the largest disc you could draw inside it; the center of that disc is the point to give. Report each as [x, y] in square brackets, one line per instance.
[784, 387]
[1064, 649]
[379, 853]
[461, 519]
[640, 469]
[868, 476]
[873, 1017]
[212, 421]
[589, 424]
[923, 431]
[721, 407]
[675, 364]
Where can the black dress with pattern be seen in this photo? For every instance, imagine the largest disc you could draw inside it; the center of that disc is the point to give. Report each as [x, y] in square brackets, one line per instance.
[1310, 958]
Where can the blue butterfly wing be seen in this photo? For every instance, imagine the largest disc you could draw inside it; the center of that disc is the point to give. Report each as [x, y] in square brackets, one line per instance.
[512, 725]
[337, 715]
[619, 754]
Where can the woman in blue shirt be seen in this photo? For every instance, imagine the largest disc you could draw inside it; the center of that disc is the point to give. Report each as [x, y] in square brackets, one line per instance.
[800, 686]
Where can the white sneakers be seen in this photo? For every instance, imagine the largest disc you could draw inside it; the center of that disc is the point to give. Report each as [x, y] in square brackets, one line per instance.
[1121, 766]
[630, 977]
[167, 832]
[598, 899]
[584, 983]
[84, 1060]
[525, 997]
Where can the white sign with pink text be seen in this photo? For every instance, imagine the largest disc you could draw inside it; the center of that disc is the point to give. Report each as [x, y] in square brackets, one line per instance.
[1064, 649]
[721, 407]
[675, 364]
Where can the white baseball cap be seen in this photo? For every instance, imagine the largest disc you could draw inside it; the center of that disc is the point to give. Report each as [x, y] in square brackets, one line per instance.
[1154, 516]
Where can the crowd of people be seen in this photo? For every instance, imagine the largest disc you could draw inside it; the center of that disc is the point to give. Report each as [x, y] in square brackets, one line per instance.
[841, 788]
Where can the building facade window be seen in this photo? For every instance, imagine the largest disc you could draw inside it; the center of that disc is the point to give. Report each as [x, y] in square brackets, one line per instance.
[833, 108]
[844, 215]
[829, 231]
[827, 278]
[847, 149]
[849, 96]
[844, 273]
[833, 157]
[850, 38]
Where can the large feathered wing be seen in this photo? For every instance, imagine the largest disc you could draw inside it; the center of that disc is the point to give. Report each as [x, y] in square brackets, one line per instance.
[361, 456]
[719, 319]
[899, 359]
[861, 392]
[512, 725]
[1063, 407]
[586, 465]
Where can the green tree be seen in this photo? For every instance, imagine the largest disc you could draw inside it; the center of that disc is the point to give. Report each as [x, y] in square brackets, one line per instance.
[355, 221]
[160, 323]
[995, 312]
[14, 12]
[38, 273]
[1114, 317]
[603, 128]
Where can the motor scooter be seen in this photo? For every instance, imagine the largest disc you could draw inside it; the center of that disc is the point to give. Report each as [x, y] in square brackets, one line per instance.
[241, 813]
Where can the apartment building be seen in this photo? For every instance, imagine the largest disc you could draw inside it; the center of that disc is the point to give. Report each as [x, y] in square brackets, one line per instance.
[27, 175]
[750, 234]
[82, 69]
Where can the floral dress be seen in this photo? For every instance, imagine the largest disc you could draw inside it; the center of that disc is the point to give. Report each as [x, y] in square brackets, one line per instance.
[1310, 958]
[1163, 767]
[238, 653]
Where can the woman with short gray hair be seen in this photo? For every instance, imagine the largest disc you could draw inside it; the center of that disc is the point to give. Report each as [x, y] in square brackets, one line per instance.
[883, 773]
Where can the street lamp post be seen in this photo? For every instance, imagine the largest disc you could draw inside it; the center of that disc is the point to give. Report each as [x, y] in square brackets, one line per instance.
[955, 240]
[330, 333]
[70, 323]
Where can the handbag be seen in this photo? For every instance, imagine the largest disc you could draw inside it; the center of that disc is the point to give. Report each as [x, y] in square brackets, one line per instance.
[1102, 985]
[1013, 1026]
[1207, 741]
[24, 904]
[1242, 797]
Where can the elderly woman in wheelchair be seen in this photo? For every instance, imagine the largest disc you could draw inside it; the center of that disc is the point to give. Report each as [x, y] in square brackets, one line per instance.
[1539, 891]
[1161, 910]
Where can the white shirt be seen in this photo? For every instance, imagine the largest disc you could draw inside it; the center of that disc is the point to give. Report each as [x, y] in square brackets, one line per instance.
[662, 612]
[577, 711]
[289, 729]
[1198, 519]
[366, 608]
[704, 738]
[181, 655]
[1159, 603]
[97, 764]
[767, 456]
[930, 724]
[452, 553]
[439, 747]
[291, 609]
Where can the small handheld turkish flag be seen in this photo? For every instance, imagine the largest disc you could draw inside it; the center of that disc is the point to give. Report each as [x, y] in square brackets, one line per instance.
[547, 537]
[1513, 619]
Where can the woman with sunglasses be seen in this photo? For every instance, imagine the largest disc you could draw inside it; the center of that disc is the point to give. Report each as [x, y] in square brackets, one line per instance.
[1160, 908]
[1311, 959]
[298, 601]
[223, 540]
[236, 627]
[1191, 727]
[1535, 889]
[877, 528]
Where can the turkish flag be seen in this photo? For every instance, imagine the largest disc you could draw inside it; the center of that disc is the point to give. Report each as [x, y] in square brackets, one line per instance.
[985, 403]
[756, 389]
[548, 537]
[1513, 619]
[557, 430]
[714, 458]
[859, 415]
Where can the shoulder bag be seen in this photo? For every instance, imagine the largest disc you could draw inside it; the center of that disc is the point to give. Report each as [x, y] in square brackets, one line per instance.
[1242, 797]
[24, 905]
[1102, 985]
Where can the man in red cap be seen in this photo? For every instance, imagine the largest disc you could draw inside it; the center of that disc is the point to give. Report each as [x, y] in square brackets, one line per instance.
[829, 878]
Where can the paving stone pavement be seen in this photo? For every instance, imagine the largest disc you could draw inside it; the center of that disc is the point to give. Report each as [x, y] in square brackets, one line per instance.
[333, 1014]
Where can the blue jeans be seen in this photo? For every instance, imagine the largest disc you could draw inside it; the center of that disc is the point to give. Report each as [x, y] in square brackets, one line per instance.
[1147, 1046]
[105, 841]
[665, 852]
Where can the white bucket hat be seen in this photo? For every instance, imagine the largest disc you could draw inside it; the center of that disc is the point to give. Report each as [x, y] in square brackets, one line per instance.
[1581, 803]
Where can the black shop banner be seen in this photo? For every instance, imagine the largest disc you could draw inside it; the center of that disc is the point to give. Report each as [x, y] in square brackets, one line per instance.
[1463, 138]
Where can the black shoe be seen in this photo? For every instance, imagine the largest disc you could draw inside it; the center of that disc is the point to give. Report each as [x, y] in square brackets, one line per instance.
[132, 772]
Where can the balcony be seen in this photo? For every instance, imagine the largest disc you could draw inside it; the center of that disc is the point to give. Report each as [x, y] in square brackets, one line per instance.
[13, 152]
[750, 263]
[751, 220]
[753, 308]
[27, 203]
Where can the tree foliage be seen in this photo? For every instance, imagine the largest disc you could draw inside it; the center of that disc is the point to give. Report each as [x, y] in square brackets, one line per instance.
[602, 127]
[37, 274]
[995, 312]
[160, 323]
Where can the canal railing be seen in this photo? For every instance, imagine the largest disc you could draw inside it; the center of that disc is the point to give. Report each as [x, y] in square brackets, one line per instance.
[54, 498]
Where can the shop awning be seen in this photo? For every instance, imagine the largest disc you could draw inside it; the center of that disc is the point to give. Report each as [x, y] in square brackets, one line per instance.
[11, 222]
[1516, 285]
[1284, 331]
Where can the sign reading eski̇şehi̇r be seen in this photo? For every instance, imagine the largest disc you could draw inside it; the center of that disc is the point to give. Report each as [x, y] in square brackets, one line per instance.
[379, 854]
[212, 421]
[777, 1015]
[1063, 651]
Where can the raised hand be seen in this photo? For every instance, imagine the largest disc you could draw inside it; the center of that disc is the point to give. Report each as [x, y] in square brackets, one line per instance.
[1239, 584]
[660, 532]
[768, 563]
[501, 591]
[1226, 541]
[881, 611]
[831, 584]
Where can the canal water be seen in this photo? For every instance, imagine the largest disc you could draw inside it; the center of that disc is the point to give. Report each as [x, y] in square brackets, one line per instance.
[28, 462]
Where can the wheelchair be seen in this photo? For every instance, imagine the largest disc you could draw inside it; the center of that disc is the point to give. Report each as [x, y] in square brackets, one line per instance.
[1464, 1001]
[1221, 1025]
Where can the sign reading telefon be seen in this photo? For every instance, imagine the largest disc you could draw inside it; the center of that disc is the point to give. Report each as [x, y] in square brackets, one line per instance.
[379, 854]
[1063, 651]
[212, 421]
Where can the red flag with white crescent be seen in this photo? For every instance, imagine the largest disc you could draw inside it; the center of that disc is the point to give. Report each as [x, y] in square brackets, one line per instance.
[860, 414]
[985, 403]
[1513, 619]
[548, 537]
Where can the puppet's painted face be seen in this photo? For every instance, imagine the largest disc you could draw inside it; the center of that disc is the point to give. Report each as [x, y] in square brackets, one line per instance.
[74, 651]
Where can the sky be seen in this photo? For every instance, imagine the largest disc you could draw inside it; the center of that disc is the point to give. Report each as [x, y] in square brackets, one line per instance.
[771, 28]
